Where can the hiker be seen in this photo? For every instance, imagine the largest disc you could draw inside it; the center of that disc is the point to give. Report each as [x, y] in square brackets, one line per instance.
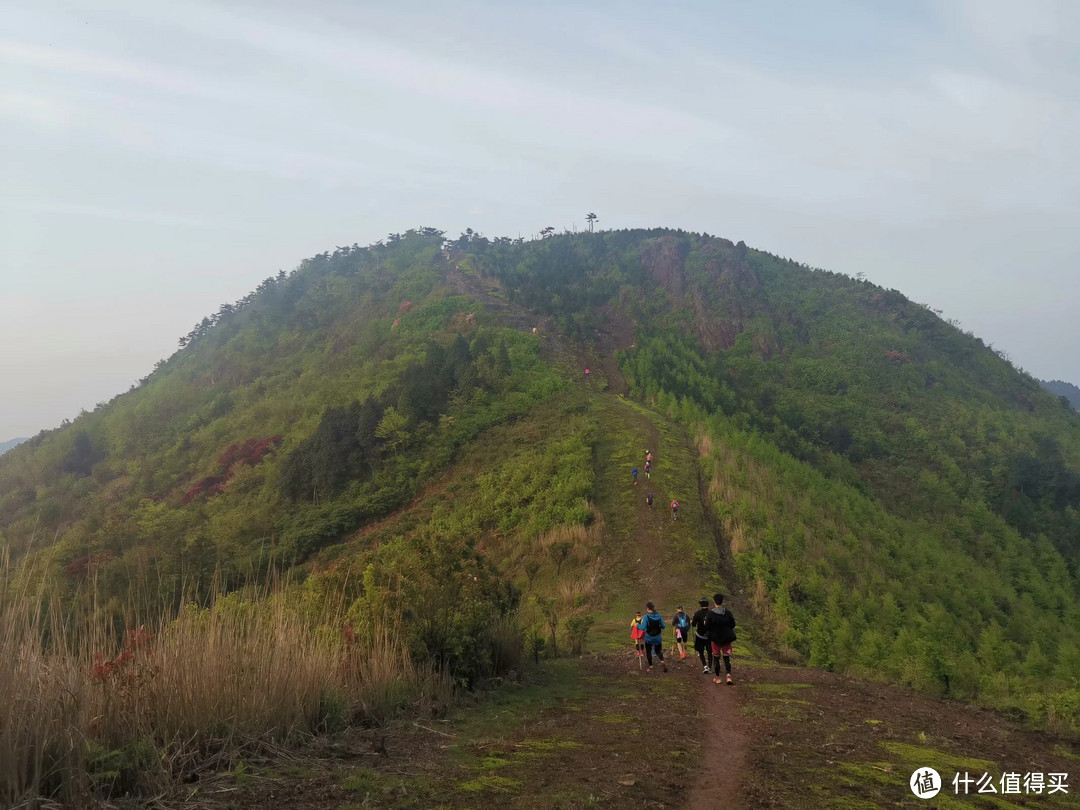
[681, 623]
[701, 636]
[648, 500]
[720, 624]
[637, 635]
[633, 472]
[648, 469]
[587, 372]
[648, 456]
[653, 624]
[674, 510]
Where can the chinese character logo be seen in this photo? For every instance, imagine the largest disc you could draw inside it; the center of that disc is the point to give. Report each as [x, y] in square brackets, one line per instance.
[925, 783]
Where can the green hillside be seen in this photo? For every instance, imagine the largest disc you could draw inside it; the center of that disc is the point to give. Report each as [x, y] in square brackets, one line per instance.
[404, 434]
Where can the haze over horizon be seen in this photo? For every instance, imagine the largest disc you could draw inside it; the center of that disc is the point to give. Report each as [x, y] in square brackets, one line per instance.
[158, 160]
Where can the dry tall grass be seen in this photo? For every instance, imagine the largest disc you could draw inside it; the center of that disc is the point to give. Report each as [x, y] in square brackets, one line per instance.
[84, 714]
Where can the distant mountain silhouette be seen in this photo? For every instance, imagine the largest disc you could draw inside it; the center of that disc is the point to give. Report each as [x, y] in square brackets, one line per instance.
[5, 446]
[1063, 389]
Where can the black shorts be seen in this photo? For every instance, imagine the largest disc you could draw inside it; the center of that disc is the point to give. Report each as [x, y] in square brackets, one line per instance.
[700, 644]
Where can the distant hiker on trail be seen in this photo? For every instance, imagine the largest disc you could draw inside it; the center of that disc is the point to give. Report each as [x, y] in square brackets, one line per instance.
[653, 624]
[701, 636]
[681, 623]
[648, 500]
[674, 510]
[633, 472]
[648, 456]
[637, 635]
[648, 469]
[587, 372]
[720, 624]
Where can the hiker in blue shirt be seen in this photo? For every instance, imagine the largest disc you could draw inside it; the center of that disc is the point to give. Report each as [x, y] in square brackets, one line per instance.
[681, 623]
[653, 624]
[633, 472]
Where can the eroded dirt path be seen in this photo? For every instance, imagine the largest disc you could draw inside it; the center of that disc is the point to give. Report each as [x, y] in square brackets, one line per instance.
[718, 782]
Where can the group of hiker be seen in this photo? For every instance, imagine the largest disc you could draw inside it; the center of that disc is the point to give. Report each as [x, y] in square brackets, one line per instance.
[649, 496]
[713, 629]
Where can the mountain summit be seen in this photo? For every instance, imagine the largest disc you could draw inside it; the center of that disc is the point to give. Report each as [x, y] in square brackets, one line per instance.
[408, 427]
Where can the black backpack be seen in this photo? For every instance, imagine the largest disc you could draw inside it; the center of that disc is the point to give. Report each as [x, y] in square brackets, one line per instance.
[652, 626]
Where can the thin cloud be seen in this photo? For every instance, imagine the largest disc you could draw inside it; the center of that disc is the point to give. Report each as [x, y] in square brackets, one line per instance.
[166, 218]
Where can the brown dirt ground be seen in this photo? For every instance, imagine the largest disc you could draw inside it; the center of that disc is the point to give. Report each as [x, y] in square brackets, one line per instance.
[599, 733]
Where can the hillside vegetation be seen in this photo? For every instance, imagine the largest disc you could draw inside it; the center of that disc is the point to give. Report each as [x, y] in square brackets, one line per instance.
[397, 442]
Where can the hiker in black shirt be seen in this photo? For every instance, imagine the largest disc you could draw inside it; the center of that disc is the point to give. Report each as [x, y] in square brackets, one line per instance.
[701, 637]
[720, 625]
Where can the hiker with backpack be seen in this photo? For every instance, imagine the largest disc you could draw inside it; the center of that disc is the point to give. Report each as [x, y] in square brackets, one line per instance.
[681, 623]
[701, 636]
[633, 472]
[674, 510]
[720, 624]
[653, 624]
[649, 500]
[637, 635]
[648, 469]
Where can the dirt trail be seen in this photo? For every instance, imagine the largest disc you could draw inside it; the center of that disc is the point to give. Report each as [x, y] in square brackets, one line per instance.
[719, 784]
[726, 734]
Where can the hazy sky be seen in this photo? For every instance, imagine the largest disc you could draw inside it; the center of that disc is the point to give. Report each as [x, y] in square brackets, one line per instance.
[160, 158]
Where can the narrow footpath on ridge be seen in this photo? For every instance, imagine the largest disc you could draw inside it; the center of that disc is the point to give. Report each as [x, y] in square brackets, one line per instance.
[655, 558]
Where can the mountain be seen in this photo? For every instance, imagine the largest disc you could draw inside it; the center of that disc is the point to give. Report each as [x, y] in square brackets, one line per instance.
[1063, 389]
[405, 433]
[10, 443]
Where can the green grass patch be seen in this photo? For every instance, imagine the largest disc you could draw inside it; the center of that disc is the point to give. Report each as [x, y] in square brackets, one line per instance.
[777, 688]
[941, 761]
[490, 782]
[614, 718]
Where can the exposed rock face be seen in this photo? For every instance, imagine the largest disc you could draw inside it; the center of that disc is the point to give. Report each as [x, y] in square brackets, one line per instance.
[664, 258]
[707, 274]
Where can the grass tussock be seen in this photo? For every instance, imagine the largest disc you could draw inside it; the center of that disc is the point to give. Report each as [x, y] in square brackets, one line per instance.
[85, 712]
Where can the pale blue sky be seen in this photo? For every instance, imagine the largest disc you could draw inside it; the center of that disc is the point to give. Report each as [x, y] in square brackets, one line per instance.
[160, 158]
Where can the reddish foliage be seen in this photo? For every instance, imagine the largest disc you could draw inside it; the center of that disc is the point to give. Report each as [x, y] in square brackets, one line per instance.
[397, 321]
[897, 357]
[209, 486]
[349, 634]
[405, 306]
[106, 669]
[250, 452]
[81, 566]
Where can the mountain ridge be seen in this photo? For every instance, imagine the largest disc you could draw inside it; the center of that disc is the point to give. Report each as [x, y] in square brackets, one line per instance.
[409, 426]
